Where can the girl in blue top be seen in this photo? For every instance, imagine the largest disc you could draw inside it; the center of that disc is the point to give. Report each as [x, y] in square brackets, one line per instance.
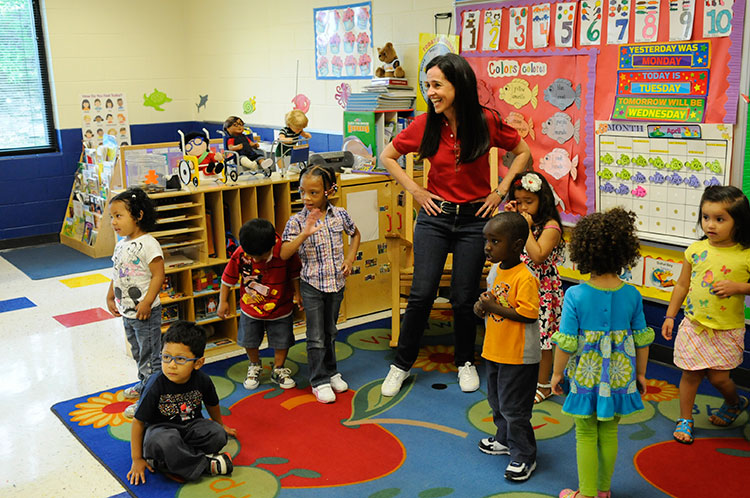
[602, 346]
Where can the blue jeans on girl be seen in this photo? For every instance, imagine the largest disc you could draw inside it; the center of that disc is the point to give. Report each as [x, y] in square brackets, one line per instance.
[144, 337]
[321, 314]
[434, 238]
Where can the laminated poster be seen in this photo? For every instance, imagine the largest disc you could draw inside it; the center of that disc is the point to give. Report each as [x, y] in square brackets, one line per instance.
[491, 31]
[565, 20]
[470, 31]
[104, 114]
[681, 17]
[646, 21]
[717, 18]
[591, 22]
[518, 24]
[540, 15]
[343, 42]
[618, 22]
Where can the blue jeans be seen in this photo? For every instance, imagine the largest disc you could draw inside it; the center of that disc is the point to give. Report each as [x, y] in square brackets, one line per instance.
[321, 314]
[510, 393]
[144, 337]
[434, 238]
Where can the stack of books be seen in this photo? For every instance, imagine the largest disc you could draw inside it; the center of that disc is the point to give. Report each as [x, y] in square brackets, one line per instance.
[383, 94]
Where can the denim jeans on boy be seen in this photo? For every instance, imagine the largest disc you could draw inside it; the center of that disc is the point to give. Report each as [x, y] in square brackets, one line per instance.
[510, 393]
[321, 314]
[144, 337]
[434, 238]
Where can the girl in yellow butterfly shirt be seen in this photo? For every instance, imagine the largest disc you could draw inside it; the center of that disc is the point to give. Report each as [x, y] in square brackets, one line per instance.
[714, 277]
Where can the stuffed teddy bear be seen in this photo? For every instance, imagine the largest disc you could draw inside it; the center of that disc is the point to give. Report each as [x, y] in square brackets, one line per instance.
[391, 65]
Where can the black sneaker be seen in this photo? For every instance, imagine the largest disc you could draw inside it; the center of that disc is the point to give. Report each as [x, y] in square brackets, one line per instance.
[491, 447]
[519, 471]
[219, 464]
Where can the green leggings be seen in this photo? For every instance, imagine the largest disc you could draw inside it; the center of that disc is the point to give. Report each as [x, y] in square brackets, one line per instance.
[596, 448]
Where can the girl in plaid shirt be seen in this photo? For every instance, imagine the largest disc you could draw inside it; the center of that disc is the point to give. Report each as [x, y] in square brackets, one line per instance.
[317, 233]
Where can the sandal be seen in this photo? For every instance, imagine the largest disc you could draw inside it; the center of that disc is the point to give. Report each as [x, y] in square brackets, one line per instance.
[727, 414]
[684, 426]
[540, 396]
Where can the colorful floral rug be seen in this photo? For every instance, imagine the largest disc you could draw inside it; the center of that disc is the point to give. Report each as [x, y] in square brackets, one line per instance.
[420, 443]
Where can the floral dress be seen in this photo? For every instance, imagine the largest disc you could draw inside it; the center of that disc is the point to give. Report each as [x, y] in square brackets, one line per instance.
[601, 329]
[550, 288]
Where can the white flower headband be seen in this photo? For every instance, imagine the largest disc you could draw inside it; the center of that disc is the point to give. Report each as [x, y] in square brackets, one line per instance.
[530, 182]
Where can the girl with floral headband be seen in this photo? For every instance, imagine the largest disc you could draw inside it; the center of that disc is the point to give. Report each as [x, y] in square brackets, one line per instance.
[531, 195]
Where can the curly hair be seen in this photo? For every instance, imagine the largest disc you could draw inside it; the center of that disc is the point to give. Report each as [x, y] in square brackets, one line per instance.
[140, 206]
[547, 209]
[605, 242]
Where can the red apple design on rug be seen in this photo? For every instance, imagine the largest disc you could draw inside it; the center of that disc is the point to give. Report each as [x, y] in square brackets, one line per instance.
[708, 467]
[326, 439]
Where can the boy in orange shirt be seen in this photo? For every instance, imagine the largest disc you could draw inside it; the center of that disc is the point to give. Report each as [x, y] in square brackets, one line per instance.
[511, 344]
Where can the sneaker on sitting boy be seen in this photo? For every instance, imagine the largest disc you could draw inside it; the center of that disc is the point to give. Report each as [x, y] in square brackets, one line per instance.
[219, 464]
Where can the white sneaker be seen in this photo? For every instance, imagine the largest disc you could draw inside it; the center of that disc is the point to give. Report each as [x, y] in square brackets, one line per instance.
[392, 383]
[130, 393]
[338, 384]
[129, 412]
[324, 393]
[468, 378]
[283, 377]
[252, 381]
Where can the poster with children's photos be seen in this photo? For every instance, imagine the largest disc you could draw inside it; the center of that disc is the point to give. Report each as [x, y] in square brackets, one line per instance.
[104, 114]
[343, 42]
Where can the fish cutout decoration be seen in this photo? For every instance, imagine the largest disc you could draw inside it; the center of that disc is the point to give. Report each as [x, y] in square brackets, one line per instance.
[558, 164]
[518, 122]
[202, 102]
[561, 94]
[518, 93]
[560, 128]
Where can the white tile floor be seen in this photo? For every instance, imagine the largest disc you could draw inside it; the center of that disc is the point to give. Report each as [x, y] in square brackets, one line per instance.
[42, 363]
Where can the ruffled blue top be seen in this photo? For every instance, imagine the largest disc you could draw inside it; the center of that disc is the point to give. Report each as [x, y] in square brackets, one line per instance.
[601, 329]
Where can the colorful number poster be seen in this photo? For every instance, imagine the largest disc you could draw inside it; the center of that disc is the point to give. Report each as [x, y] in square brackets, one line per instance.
[591, 22]
[646, 20]
[717, 18]
[565, 19]
[470, 31]
[491, 32]
[430, 46]
[343, 42]
[681, 16]
[618, 21]
[104, 114]
[659, 171]
[518, 24]
[540, 14]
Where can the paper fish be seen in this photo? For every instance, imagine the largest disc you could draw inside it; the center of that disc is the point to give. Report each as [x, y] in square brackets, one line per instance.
[560, 127]
[518, 93]
[712, 182]
[638, 178]
[523, 127]
[657, 178]
[607, 158]
[606, 174]
[674, 179]
[692, 181]
[639, 191]
[561, 94]
[202, 102]
[558, 164]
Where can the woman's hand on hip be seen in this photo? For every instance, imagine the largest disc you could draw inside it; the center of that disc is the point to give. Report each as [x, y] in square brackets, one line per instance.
[427, 200]
[491, 202]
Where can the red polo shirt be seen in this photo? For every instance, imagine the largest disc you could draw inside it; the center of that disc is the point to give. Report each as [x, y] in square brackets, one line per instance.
[459, 183]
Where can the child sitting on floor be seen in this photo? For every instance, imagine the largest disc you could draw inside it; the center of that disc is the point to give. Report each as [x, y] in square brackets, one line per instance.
[169, 433]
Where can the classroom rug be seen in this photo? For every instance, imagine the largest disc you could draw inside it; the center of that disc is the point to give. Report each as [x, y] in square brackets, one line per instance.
[420, 443]
[52, 260]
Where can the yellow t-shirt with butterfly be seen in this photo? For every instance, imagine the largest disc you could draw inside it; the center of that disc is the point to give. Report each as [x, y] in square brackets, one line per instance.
[710, 265]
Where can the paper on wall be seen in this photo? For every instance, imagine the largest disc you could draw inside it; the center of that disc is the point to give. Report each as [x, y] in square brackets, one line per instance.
[363, 208]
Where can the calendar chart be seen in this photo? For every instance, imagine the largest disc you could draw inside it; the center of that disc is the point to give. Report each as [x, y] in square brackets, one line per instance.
[659, 171]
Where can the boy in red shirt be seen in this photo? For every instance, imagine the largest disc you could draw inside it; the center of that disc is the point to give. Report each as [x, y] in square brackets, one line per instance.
[269, 288]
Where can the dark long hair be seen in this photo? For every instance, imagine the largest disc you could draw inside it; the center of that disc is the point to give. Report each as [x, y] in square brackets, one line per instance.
[737, 207]
[471, 125]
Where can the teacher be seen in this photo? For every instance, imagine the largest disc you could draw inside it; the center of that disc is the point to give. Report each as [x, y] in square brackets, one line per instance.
[456, 135]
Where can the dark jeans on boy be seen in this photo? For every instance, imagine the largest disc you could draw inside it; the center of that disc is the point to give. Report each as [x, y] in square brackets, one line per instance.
[181, 449]
[321, 314]
[510, 392]
[434, 238]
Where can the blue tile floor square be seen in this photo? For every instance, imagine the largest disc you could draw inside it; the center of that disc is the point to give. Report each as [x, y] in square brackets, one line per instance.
[14, 304]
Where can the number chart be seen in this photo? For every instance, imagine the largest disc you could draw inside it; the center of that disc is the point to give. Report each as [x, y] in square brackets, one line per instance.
[659, 171]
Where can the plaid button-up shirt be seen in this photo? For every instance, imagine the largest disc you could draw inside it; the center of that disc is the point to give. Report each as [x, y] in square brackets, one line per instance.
[322, 253]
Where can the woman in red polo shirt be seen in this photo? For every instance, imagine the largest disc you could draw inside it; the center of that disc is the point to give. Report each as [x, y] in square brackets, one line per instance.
[455, 134]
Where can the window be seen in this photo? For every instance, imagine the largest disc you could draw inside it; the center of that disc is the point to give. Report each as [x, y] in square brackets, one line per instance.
[26, 124]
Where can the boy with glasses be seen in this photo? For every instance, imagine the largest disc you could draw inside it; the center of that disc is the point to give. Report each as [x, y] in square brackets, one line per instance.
[169, 433]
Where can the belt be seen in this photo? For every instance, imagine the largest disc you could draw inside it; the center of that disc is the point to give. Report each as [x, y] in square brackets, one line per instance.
[451, 208]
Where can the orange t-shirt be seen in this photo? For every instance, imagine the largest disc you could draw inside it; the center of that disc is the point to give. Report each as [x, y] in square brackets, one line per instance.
[508, 341]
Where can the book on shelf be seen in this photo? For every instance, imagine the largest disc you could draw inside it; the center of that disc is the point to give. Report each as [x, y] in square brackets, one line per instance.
[390, 81]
